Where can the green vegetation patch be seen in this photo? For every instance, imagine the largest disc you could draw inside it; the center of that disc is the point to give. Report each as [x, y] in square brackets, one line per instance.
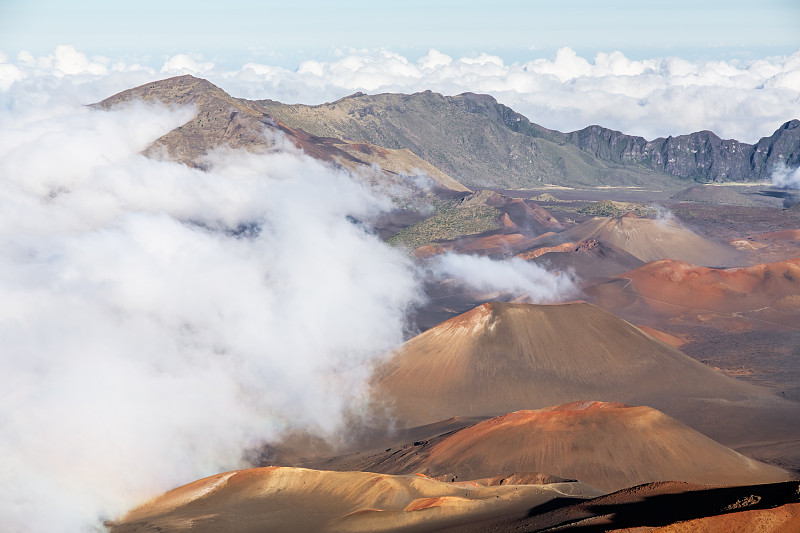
[546, 197]
[451, 220]
[610, 208]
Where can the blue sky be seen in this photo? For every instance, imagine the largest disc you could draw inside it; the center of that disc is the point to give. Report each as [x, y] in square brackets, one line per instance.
[286, 33]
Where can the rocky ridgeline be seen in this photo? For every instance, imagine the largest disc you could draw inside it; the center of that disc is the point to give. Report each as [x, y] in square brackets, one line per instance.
[485, 143]
[700, 156]
[471, 137]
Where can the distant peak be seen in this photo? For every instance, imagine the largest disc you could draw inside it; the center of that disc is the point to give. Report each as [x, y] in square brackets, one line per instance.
[478, 97]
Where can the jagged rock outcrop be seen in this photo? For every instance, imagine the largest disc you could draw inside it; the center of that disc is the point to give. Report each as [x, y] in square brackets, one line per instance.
[700, 156]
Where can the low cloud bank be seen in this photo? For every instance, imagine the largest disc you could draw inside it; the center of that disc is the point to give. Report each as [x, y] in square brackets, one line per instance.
[652, 98]
[785, 178]
[529, 281]
[157, 321]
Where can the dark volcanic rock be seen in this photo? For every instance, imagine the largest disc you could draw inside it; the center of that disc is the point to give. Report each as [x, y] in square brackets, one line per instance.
[700, 156]
[781, 146]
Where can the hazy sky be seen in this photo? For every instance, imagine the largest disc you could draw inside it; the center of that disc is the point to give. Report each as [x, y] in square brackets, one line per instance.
[236, 31]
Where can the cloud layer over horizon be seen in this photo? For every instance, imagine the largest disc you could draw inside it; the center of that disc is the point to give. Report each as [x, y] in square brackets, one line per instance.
[651, 98]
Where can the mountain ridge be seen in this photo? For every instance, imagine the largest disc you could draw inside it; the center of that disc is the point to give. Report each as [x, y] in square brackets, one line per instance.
[463, 142]
[223, 120]
[700, 156]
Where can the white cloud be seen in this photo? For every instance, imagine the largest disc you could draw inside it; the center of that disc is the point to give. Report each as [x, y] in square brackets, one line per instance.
[186, 64]
[786, 178]
[518, 278]
[69, 61]
[158, 320]
[9, 74]
[651, 97]
[434, 59]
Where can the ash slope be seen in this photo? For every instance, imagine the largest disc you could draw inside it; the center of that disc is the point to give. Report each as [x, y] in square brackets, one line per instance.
[607, 445]
[589, 259]
[650, 239]
[484, 143]
[500, 357]
[298, 499]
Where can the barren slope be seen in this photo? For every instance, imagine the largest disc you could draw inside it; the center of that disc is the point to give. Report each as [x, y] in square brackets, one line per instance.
[222, 120]
[589, 259]
[761, 296]
[675, 507]
[499, 358]
[770, 247]
[608, 445]
[469, 136]
[651, 240]
[297, 499]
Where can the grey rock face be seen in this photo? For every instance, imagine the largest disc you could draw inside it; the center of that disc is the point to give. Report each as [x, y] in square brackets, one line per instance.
[700, 156]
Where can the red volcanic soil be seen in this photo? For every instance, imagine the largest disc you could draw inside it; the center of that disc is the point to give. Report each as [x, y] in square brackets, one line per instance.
[783, 519]
[761, 296]
[566, 247]
[528, 217]
[666, 338]
[772, 246]
[492, 245]
[521, 215]
[607, 445]
[791, 235]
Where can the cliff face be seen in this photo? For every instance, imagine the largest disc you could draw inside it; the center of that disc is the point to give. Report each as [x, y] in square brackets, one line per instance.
[700, 156]
[783, 145]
